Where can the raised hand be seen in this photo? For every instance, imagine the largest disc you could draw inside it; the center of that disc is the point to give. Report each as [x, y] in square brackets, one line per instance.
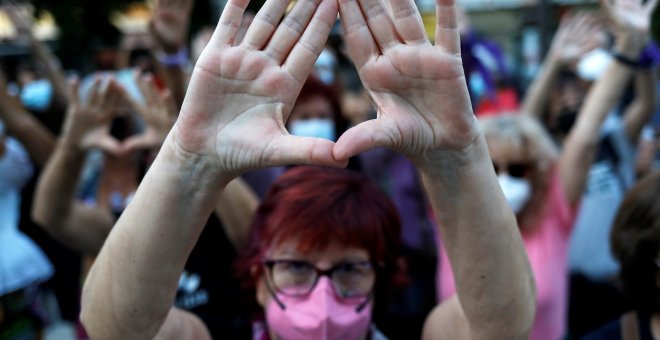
[578, 34]
[169, 23]
[21, 17]
[630, 15]
[240, 95]
[418, 88]
[87, 124]
[158, 110]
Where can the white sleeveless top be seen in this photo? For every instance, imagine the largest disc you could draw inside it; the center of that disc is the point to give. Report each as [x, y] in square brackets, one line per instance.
[22, 262]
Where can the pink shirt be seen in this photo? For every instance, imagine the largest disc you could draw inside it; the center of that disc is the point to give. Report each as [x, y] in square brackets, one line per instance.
[547, 248]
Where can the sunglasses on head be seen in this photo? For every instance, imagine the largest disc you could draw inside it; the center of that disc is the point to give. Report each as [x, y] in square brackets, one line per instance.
[516, 170]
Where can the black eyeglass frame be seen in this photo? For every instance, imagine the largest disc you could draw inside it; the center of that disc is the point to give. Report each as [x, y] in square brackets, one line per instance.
[270, 282]
[270, 263]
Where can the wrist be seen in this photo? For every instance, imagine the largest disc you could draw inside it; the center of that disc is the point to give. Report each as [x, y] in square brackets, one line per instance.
[70, 146]
[448, 163]
[199, 169]
[629, 45]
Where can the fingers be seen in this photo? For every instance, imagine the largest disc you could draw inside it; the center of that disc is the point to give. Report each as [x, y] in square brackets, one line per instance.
[380, 23]
[303, 55]
[264, 24]
[359, 40]
[136, 143]
[291, 29]
[360, 138]
[230, 21]
[408, 21]
[74, 92]
[650, 6]
[447, 36]
[290, 149]
[110, 145]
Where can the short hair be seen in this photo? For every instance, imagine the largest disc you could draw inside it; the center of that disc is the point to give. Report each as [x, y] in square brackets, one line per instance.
[319, 207]
[635, 240]
[528, 133]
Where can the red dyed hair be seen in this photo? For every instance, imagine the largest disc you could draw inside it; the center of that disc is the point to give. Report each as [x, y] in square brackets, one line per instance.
[322, 206]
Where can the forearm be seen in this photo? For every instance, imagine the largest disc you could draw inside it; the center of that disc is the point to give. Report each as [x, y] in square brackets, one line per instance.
[36, 139]
[53, 69]
[581, 142]
[639, 112]
[536, 98]
[176, 79]
[493, 278]
[132, 284]
[55, 195]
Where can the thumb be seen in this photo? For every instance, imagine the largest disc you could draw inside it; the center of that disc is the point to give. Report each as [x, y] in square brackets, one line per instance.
[136, 143]
[360, 138]
[289, 149]
[110, 145]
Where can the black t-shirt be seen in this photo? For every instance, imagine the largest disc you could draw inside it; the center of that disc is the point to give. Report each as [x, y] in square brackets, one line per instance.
[612, 330]
[208, 287]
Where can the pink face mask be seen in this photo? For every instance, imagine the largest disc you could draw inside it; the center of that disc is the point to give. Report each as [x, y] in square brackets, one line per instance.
[320, 315]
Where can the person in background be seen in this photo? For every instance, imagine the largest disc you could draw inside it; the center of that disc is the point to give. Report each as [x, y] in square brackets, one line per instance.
[635, 242]
[543, 185]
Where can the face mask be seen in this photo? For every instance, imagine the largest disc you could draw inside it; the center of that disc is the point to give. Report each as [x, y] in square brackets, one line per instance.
[324, 67]
[2, 128]
[516, 190]
[320, 315]
[37, 95]
[319, 128]
[593, 64]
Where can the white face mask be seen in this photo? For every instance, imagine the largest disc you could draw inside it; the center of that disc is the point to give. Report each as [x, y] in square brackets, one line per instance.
[37, 95]
[593, 64]
[516, 190]
[319, 128]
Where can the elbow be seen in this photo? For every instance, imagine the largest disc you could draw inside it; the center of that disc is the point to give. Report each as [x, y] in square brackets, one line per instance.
[48, 222]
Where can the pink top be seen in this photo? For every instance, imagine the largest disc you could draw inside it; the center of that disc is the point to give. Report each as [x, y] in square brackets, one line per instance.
[547, 248]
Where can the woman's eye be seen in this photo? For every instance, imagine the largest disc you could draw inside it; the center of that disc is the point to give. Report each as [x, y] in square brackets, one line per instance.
[297, 266]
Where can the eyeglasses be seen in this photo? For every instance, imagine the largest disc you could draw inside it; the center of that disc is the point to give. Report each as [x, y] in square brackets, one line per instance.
[516, 170]
[298, 278]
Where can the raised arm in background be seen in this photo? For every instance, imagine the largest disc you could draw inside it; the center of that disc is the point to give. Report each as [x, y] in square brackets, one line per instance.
[55, 208]
[37, 140]
[630, 20]
[169, 28]
[22, 20]
[640, 110]
[577, 34]
[233, 120]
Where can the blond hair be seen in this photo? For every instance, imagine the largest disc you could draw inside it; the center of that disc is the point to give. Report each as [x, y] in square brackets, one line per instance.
[540, 151]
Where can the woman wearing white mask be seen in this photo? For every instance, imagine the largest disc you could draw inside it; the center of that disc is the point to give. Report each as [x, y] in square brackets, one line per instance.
[543, 186]
[233, 120]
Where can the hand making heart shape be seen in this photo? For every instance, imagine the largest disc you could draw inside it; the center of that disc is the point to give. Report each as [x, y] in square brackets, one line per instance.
[88, 121]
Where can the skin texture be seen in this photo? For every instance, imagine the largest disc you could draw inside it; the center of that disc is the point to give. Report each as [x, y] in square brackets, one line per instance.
[233, 120]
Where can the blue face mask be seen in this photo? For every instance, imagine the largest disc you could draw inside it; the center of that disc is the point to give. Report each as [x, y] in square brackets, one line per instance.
[37, 95]
[319, 128]
[2, 128]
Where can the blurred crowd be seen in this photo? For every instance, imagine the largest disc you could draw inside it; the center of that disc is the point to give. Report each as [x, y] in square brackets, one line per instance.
[576, 154]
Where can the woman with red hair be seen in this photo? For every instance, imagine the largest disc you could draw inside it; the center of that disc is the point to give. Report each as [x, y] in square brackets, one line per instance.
[318, 257]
